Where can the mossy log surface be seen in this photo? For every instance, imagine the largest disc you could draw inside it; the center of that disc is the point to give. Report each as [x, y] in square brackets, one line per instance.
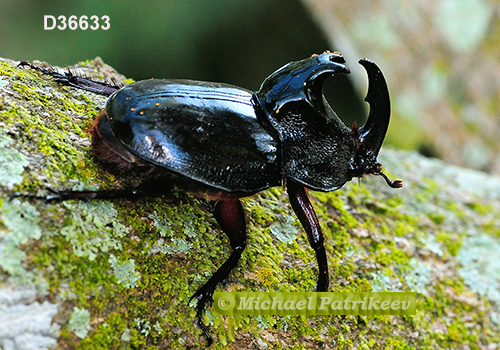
[119, 275]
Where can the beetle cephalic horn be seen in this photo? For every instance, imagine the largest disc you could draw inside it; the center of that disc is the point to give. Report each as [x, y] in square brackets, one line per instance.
[372, 134]
[369, 137]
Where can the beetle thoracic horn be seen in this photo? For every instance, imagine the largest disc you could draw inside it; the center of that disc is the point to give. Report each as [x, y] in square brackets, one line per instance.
[372, 134]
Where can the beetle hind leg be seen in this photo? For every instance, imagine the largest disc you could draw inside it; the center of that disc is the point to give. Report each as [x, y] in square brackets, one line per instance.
[231, 218]
[70, 79]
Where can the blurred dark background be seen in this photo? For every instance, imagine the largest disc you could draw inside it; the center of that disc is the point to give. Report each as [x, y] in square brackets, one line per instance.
[237, 42]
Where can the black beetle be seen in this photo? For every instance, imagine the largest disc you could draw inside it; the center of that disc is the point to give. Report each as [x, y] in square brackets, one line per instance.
[223, 142]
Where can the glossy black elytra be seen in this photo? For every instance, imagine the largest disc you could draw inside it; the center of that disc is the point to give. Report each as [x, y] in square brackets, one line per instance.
[224, 142]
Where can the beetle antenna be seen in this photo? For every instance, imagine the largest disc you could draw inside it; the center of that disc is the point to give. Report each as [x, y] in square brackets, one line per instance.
[393, 184]
[377, 170]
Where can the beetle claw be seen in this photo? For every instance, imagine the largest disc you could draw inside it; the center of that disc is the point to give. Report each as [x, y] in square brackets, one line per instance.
[203, 297]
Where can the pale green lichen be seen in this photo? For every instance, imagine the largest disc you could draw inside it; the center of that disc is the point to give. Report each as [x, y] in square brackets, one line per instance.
[479, 272]
[430, 242]
[125, 272]
[79, 322]
[164, 229]
[126, 335]
[383, 282]
[418, 276]
[162, 225]
[21, 221]
[93, 228]
[157, 327]
[178, 246]
[12, 163]
[495, 317]
[285, 231]
[144, 326]
[189, 228]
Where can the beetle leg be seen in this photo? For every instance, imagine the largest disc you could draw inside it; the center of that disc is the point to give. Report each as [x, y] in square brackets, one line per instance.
[307, 217]
[59, 196]
[69, 79]
[231, 218]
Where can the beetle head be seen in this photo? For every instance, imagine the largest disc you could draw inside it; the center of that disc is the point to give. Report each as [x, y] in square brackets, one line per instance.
[317, 149]
[369, 137]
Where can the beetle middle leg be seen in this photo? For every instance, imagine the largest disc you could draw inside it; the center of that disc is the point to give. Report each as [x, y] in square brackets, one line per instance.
[307, 217]
[231, 218]
[59, 196]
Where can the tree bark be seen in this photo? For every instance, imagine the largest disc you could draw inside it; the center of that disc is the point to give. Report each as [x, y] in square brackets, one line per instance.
[119, 274]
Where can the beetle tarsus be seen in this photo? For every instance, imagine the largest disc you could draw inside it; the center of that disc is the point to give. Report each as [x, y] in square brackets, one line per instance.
[199, 314]
[204, 295]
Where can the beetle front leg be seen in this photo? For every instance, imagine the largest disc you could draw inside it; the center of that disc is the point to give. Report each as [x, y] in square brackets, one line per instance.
[231, 218]
[307, 217]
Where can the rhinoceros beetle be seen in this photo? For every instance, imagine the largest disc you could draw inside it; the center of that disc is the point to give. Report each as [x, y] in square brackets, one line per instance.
[223, 142]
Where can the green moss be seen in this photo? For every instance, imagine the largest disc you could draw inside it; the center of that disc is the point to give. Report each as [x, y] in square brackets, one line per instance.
[107, 334]
[437, 218]
[266, 276]
[481, 208]
[397, 343]
[452, 242]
